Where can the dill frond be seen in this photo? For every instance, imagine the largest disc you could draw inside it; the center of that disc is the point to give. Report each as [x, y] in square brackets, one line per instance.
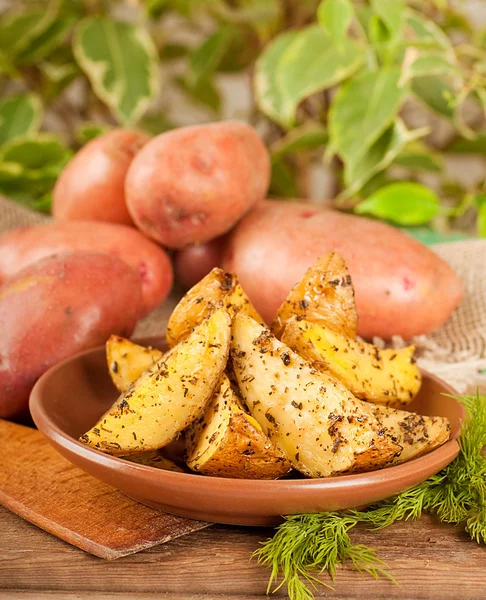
[306, 546]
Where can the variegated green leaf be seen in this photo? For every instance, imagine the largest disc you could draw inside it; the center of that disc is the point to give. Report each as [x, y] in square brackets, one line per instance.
[307, 136]
[19, 115]
[379, 156]
[298, 64]
[47, 42]
[418, 156]
[21, 29]
[362, 110]
[121, 64]
[437, 93]
[390, 13]
[431, 62]
[425, 33]
[29, 168]
[208, 56]
[335, 16]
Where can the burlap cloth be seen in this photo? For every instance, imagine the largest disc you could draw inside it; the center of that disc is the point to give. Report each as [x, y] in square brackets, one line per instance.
[456, 352]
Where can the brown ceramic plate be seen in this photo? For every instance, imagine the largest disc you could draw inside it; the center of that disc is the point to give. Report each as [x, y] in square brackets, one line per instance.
[71, 396]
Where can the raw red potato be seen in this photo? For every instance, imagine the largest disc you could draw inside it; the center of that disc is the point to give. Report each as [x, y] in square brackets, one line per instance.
[193, 184]
[193, 263]
[92, 186]
[21, 247]
[56, 308]
[402, 287]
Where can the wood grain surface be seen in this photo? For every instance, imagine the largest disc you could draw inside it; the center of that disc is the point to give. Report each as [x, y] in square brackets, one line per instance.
[430, 561]
[41, 486]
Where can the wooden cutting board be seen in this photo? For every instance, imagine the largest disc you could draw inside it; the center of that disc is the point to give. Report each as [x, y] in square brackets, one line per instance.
[42, 487]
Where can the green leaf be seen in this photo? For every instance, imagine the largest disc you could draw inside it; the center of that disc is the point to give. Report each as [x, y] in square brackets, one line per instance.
[379, 156]
[207, 58]
[263, 16]
[298, 64]
[205, 93]
[436, 93]
[418, 156]
[35, 152]
[425, 33]
[58, 75]
[404, 203]
[391, 13]
[29, 168]
[41, 47]
[268, 89]
[335, 16]
[19, 115]
[474, 146]
[432, 63]
[19, 29]
[482, 217]
[155, 124]
[306, 137]
[362, 110]
[378, 33]
[121, 64]
[282, 181]
[89, 131]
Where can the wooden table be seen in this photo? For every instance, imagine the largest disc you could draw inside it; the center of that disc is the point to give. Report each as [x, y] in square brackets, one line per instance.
[430, 561]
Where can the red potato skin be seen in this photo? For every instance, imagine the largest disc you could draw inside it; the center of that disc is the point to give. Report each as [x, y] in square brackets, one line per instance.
[193, 184]
[92, 186]
[402, 287]
[193, 263]
[22, 247]
[56, 308]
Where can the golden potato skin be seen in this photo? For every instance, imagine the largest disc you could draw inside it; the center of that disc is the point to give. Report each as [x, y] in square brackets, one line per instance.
[416, 434]
[226, 442]
[92, 186]
[168, 397]
[215, 290]
[402, 287]
[57, 307]
[325, 295]
[192, 184]
[384, 376]
[313, 419]
[127, 361]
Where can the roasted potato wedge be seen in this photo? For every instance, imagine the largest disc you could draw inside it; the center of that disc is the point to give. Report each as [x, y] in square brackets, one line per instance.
[169, 396]
[215, 290]
[388, 377]
[227, 442]
[153, 459]
[127, 361]
[325, 295]
[313, 419]
[416, 434]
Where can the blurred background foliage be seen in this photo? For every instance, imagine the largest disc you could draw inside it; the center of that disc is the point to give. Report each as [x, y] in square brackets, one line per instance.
[364, 102]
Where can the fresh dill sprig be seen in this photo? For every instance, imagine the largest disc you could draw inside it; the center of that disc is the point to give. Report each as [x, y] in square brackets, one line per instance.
[305, 546]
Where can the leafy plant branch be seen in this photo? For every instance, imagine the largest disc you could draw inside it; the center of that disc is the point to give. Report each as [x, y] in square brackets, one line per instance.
[348, 69]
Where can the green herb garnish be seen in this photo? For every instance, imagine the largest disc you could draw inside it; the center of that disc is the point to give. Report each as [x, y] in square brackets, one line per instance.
[305, 546]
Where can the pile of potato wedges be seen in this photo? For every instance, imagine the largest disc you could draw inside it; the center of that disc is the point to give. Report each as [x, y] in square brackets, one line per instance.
[254, 402]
